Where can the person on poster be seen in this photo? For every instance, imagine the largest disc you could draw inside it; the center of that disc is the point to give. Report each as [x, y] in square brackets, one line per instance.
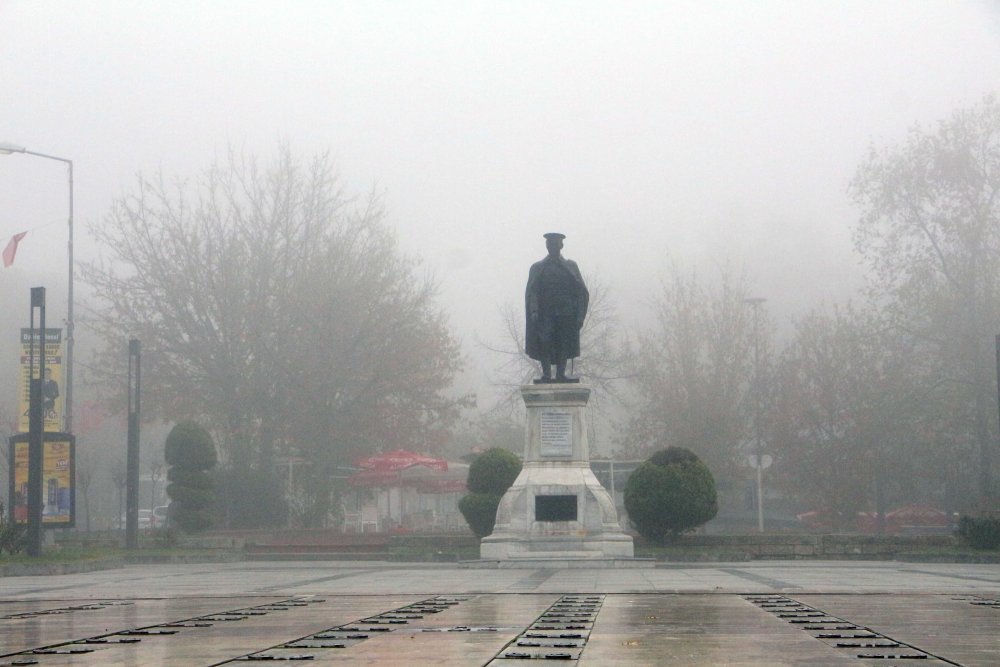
[50, 392]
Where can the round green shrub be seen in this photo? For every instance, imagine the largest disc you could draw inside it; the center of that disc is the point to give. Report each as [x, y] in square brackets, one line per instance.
[493, 472]
[480, 512]
[671, 493]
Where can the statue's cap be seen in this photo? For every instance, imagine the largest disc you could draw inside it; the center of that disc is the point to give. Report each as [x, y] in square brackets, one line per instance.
[554, 235]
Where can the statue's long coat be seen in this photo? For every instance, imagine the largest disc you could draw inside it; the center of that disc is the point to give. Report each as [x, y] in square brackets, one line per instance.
[534, 347]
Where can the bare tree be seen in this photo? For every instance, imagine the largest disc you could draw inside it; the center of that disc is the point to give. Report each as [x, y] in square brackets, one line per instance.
[86, 470]
[693, 372]
[852, 427]
[930, 231]
[277, 310]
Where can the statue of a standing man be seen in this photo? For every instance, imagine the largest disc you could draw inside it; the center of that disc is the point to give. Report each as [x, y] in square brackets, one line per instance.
[555, 302]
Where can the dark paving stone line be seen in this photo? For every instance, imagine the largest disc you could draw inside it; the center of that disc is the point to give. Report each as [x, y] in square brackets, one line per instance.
[757, 578]
[97, 605]
[317, 580]
[965, 577]
[79, 644]
[534, 580]
[544, 638]
[78, 586]
[864, 642]
[30, 591]
[355, 632]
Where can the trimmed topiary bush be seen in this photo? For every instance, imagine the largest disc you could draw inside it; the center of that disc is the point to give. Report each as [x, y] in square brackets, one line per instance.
[980, 533]
[480, 512]
[190, 453]
[490, 475]
[493, 471]
[671, 493]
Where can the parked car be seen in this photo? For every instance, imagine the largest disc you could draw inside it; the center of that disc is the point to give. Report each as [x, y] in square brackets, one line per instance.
[161, 516]
[145, 520]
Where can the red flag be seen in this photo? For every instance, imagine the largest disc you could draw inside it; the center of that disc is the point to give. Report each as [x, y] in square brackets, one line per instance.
[11, 249]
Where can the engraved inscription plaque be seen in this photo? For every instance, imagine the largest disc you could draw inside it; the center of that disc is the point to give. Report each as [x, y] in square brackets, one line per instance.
[557, 434]
[555, 508]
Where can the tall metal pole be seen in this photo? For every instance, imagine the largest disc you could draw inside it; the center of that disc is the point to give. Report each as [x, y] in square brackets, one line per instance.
[6, 148]
[755, 303]
[132, 462]
[987, 472]
[36, 424]
[70, 338]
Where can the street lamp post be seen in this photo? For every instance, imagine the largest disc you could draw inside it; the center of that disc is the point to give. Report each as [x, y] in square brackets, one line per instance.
[7, 149]
[756, 303]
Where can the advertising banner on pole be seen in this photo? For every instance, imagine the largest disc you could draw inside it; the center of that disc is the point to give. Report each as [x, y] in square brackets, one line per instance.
[52, 400]
[58, 480]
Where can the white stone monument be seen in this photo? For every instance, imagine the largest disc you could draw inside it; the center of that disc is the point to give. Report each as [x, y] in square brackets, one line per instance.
[556, 508]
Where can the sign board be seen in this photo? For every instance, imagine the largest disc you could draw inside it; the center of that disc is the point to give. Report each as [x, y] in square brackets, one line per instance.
[765, 461]
[52, 386]
[557, 434]
[58, 480]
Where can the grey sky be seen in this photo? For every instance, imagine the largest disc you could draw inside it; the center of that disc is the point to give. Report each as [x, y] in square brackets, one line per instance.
[692, 130]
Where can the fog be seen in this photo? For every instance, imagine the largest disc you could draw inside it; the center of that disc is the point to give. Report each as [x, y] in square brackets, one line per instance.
[691, 132]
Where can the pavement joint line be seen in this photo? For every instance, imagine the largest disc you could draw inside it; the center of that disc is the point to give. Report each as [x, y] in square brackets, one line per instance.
[533, 580]
[316, 580]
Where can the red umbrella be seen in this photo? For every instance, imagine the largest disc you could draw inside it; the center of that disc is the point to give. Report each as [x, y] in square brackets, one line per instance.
[401, 459]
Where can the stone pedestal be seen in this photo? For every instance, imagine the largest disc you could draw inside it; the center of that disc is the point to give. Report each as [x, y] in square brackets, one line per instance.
[556, 509]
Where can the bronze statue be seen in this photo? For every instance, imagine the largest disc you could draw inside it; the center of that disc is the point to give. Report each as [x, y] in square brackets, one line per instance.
[555, 303]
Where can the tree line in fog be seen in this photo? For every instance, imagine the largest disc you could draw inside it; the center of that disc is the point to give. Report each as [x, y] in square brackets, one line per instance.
[279, 311]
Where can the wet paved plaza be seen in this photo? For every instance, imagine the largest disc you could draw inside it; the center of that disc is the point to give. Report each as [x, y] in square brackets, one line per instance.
[760, 613]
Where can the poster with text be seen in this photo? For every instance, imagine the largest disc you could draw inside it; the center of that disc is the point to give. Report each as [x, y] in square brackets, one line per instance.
[52, 385]
[58, 491]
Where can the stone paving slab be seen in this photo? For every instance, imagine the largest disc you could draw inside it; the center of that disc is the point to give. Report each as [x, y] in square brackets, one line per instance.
[399, 614]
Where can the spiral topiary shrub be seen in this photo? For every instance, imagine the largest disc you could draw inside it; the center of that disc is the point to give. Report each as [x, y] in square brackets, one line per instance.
[190, 453]
[480, 512]
[490, 475]
[669, 494]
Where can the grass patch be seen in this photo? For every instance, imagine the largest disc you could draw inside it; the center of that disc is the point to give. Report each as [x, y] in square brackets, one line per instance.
[56, 554]
[61, 555]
